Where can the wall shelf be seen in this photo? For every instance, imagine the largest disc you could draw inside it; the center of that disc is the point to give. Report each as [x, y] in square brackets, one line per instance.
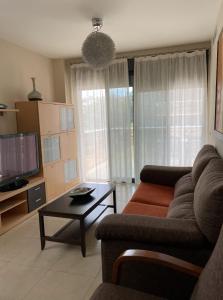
[5, 110]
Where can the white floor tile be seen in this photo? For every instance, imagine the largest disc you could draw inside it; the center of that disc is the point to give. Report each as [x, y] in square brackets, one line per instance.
[76, 264]
[33, 256]
[17, 280]
[60, 286]
[97, 281]
[57, 272]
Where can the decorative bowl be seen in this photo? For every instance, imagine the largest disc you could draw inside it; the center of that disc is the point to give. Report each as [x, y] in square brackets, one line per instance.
[84, 191]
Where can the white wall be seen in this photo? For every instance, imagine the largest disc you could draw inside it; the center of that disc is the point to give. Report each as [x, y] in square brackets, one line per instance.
[17, 65]
[213, 137]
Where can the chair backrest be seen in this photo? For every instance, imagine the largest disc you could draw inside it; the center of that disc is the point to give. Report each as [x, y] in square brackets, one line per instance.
[210, 283]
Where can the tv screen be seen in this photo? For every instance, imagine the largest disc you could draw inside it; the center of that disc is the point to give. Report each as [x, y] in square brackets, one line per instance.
[18, 156]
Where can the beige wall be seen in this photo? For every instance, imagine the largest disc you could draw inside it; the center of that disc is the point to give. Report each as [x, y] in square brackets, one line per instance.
[59, 80]
[17, 65]
[216, 139]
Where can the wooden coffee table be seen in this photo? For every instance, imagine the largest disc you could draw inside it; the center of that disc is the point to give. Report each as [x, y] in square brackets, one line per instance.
[83, 211]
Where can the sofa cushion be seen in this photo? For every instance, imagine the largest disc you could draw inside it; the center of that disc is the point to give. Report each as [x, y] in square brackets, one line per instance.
[154, 194]
[208, 200]
[135, 208]
[202, 159]
[182, 207]
[184, 185]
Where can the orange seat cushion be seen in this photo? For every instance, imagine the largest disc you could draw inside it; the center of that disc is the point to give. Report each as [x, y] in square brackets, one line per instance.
[154, 194]
[134, 208]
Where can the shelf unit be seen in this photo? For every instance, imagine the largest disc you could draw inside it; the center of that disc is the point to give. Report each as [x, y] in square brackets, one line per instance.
[11, 203]
[54, 122]
[14, 205]
[5, 110]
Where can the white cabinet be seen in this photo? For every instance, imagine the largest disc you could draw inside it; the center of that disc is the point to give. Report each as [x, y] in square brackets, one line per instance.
[70, 118]
[66, 118]
[68, 145]
[51, 148]
[70, 170]
[55, 179]
[48, 118]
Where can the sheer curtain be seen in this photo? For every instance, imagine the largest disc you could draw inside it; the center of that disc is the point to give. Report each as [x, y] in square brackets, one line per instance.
[104, 119]
[119, 121]
[89, 91]
[170, 108]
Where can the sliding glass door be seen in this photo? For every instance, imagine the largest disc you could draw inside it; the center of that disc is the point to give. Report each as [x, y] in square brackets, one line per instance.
[170, 108]
[104, 112]
[94, 135]
[151, 110]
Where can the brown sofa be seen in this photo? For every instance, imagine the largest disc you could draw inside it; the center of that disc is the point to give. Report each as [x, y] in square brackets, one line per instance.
[153, 196]
[177, 211]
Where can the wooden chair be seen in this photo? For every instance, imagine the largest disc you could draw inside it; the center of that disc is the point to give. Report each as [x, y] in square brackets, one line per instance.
[206, 283]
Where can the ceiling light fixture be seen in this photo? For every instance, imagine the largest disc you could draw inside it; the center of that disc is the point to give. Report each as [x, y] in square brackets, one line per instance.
[98, 49]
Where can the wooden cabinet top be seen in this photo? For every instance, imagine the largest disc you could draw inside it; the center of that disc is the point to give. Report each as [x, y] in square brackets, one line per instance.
[43, 103]
[45, 118]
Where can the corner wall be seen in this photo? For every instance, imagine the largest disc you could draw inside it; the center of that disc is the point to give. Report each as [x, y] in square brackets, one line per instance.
[59, 80]
[17, 65]
[216, 139]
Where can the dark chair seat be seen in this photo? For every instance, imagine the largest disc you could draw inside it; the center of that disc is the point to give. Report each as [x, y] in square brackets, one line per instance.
[108, 291]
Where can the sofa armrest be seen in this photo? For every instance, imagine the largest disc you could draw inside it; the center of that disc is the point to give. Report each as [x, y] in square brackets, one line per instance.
[157, 258]
[150, 229]
[163, 175]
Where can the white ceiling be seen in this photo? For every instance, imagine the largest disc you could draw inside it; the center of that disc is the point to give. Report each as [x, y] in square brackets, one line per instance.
[57, 28]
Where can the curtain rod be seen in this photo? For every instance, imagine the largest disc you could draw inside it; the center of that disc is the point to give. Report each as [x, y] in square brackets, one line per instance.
[154, 52]
[161, 53]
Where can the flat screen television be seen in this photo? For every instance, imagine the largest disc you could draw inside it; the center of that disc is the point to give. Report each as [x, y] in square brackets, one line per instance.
[19, 159]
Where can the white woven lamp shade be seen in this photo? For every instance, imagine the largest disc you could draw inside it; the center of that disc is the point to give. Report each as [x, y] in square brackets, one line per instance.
[98, 50]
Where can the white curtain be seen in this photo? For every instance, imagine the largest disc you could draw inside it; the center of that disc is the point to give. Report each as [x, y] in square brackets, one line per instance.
[104, 117]
[119, 121]
[170, 96]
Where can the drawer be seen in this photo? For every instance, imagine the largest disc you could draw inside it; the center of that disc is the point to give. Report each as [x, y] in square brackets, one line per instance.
[36, 197]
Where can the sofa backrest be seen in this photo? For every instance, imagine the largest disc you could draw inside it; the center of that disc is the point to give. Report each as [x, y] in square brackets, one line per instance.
[203, 157]
[210, 283]
[208, 200]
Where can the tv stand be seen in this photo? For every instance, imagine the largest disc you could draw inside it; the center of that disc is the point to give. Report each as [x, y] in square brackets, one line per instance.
[20, 204]
[17, 184]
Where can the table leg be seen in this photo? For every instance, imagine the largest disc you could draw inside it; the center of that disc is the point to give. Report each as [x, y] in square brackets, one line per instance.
[114, 201]
[42, 231]
[83, 243]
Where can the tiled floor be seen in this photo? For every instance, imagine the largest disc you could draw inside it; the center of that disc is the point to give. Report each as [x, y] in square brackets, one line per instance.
[58, 272]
